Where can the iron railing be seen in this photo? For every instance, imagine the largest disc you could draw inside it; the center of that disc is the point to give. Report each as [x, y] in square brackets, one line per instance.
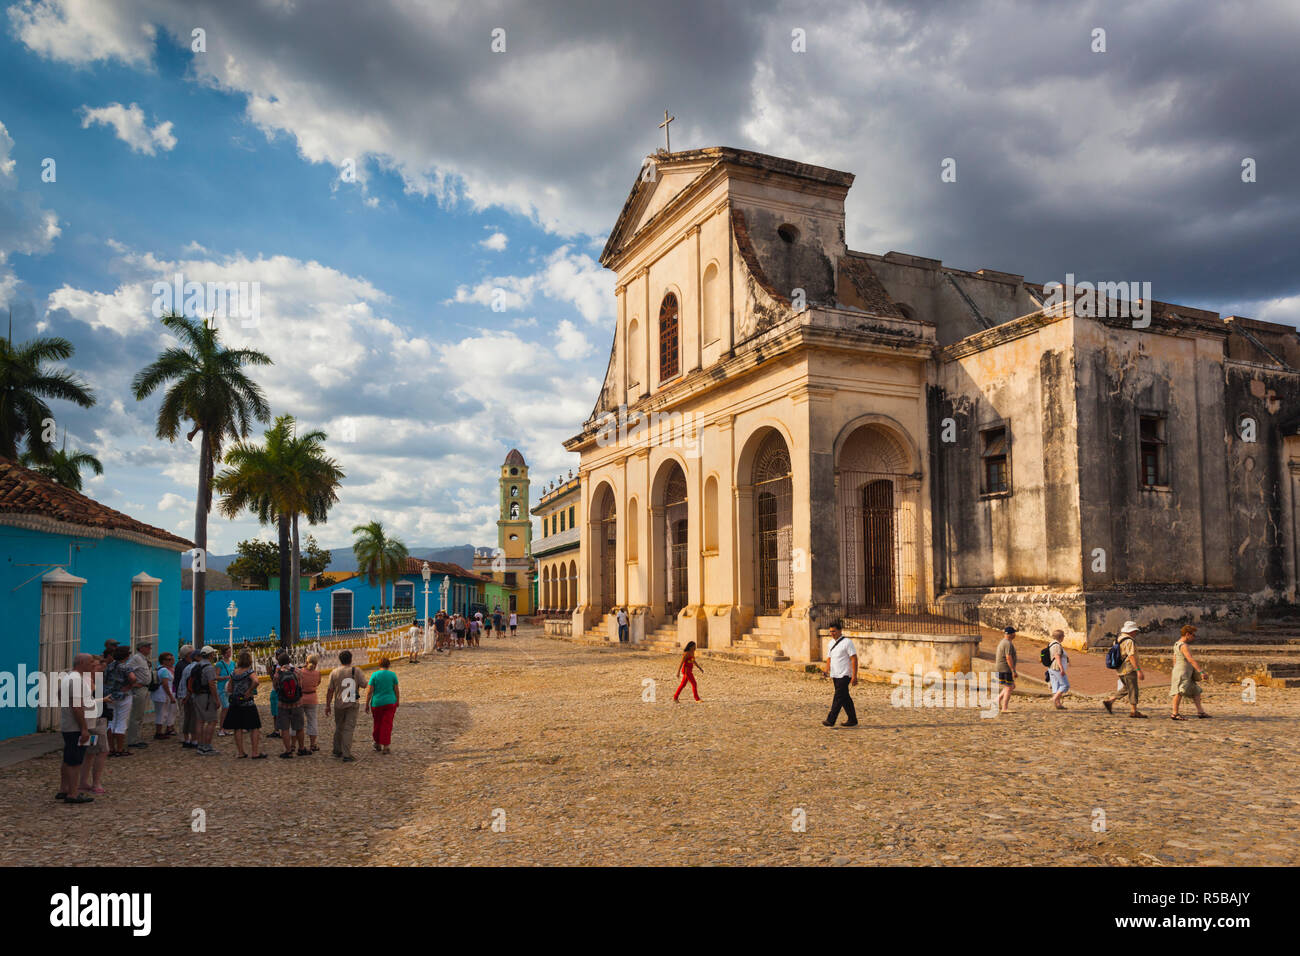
[950, 618]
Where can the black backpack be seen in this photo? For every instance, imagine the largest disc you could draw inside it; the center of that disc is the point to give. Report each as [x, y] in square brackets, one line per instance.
[195, 682]
[1045, 655]
[154, 682]
[239, 687]
[287, 686]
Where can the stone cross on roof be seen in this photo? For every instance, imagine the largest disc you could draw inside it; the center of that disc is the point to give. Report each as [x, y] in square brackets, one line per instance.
[668, 145]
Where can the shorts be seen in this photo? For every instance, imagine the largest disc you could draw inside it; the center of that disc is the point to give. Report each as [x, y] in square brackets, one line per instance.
[1060, 682]
[121, 715]
[1006, 679]
[73, 752]
[206, 708]
[290, 719]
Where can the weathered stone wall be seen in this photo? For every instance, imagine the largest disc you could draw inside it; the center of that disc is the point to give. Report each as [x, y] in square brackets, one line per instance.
[1022, 379]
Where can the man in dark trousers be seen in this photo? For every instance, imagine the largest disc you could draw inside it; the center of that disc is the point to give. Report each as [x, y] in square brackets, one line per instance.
[842, 667]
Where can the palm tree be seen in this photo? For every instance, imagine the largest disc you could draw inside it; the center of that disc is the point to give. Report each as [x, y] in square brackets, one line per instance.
[62, 468]
[316, 482]
[379, 555]
[25, 384]
[260, 478]
[206, 385]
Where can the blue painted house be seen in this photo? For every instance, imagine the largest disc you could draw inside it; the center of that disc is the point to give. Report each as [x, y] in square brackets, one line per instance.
[344, 604]
[74, 573]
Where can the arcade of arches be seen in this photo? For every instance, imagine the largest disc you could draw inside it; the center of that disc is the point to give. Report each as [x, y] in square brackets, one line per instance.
[712, 552]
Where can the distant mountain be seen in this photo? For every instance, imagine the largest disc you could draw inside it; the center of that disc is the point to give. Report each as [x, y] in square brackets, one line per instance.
[342, 559]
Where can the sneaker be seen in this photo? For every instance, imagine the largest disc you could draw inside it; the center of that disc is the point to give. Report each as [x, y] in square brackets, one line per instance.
[304, 752]
[208, 752]
[851, 723]
[287, 754]
[349, 759]
[188, 745]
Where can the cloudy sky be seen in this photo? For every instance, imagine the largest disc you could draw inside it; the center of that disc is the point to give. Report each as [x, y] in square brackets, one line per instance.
[423, 211]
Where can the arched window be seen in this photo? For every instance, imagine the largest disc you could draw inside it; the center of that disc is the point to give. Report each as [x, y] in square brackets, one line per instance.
[514, 510]
[669, 353]
[711, 306]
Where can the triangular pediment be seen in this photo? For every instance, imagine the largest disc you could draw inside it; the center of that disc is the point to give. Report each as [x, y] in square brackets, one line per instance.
[664, 177]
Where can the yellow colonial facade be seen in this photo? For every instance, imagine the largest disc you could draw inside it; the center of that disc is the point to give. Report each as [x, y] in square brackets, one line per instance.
[556, 552]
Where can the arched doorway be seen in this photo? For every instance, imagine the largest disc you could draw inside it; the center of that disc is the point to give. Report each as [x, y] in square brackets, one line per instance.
[601, 592]
[573, 576]
[879, 501]
[676, 532]
[773, 525]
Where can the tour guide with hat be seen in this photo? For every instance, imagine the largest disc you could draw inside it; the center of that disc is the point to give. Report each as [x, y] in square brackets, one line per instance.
[1004, 662]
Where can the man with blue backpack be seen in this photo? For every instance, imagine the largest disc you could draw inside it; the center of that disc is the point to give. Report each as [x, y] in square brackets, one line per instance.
[1123, 656]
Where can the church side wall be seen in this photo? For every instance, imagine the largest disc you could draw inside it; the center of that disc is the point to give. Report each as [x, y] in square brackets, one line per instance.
[1029, 536]
[1173, 534]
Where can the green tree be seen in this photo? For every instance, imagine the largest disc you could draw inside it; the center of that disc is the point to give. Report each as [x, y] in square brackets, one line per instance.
[258, 478]
[315, 480]
[315, 559]
[379, 556]
[257, 561]
[63, 468]
[206, 385]
[25, 384]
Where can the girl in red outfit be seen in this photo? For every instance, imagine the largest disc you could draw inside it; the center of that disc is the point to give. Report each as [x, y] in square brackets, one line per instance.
[686, 669]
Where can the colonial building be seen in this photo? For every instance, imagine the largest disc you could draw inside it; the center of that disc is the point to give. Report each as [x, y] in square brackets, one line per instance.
[511, 564]
[790, 430]
[557, 552]
[74, 574]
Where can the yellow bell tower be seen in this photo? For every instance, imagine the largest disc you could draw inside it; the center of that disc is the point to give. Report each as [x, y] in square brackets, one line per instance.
[511, 565]
[515, 526]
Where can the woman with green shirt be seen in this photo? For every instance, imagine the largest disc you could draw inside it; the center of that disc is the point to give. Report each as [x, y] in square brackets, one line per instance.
[381, 704]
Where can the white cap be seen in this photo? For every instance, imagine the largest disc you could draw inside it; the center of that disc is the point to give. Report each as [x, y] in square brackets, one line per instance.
[1130, 627]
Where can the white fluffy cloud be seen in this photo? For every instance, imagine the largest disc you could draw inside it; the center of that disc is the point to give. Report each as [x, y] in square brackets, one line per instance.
[131, 127]
[574, 279]
[25, 227]
[496, 242]
[418, 424]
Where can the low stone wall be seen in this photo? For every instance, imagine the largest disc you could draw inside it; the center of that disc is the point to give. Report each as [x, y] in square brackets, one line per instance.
[889, 652]
[558, 627]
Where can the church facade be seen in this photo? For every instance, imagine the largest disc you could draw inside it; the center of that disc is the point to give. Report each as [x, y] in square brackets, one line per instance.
[790, 431]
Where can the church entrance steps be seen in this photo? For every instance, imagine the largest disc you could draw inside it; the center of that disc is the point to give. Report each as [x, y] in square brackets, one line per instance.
[662, 639]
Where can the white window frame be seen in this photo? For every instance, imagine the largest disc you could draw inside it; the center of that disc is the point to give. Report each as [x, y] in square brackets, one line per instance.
[60, 632]
[141, 585]
[352, 609]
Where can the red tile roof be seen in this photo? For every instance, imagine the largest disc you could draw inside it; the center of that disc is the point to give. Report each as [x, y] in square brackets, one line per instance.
[23, 492]
[439, 568]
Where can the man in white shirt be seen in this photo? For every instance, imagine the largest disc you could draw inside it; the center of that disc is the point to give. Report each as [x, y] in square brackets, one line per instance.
[622, 626]
[842, 667]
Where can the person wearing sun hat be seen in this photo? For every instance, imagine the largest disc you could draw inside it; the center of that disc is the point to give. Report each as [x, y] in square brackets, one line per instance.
[1130, 671]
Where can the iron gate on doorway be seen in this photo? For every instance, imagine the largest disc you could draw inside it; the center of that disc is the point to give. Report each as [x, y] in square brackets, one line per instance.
[879, 519]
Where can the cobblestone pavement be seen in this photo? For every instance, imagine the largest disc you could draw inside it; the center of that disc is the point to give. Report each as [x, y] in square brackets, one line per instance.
[555, 741]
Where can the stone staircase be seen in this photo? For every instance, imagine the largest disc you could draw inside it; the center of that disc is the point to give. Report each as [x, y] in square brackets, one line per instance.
[762, 645]
[664, 639]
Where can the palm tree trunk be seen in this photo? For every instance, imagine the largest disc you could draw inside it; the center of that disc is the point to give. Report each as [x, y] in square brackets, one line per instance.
[198, 581]
[294, 575]
[285, 617]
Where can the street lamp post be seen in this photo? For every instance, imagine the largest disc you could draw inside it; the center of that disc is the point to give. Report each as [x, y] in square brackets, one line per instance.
[444, 589]
[426, 572]
[318, 622]
[231, 612]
